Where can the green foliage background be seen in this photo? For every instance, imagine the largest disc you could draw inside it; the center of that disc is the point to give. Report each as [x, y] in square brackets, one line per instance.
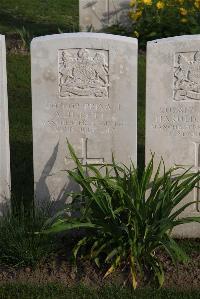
[39, 16]
[152, 19]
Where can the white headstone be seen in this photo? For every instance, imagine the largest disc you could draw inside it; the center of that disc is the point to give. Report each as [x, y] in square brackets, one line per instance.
[97, 14]
[84, 88]
[173, 110]
[4, 133]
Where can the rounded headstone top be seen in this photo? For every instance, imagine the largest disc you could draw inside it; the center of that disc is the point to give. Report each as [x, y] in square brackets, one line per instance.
[173, 39]
[86, 35]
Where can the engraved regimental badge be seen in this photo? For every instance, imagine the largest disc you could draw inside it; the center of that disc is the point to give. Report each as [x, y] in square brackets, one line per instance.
[187, 76]
[83, 73]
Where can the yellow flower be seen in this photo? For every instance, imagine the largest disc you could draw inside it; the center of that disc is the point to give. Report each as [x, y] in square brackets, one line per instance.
[147, 2]
[197, 4]
[160, 5]
[183, 11]
[184, 20]
[136, 15]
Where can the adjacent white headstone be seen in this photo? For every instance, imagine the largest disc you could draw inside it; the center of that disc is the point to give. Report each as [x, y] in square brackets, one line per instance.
[173, 110]
[97, 14]
[84, 88]
[4, 133]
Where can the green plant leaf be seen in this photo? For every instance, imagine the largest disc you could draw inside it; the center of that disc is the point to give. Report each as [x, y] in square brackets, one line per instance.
[65, 226]
[127, 216]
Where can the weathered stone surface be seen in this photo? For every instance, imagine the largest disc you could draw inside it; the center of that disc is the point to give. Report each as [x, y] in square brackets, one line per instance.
[173, 110]
[4, 133]
[97, 14]
[84, 88]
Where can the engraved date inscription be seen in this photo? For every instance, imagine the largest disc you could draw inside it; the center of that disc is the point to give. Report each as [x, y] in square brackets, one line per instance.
[83, 73]
[187, 76]
[85, 118]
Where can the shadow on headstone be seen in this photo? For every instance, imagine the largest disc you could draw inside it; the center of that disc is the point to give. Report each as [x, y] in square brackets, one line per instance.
[90, 4]
[118, 14]
[4, 207]
[58, 203]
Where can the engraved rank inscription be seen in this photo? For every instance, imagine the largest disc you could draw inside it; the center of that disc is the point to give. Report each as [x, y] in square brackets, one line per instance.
[187, 76]
[83, 73]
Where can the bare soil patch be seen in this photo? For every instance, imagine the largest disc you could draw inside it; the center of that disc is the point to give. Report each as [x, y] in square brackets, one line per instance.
[59, 269]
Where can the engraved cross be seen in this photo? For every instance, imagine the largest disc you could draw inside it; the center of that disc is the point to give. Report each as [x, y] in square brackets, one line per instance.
[85, 160]
[197, 169]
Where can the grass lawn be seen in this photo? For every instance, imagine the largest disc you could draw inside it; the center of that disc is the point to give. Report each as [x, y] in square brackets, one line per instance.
[38, 16]
[19, 92]
[51, 291]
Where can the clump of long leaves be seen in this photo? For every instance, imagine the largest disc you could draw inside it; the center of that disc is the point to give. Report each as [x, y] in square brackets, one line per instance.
[129, 216]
